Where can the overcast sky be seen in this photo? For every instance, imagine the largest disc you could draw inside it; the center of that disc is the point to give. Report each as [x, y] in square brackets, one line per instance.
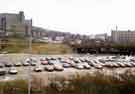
[76, 16]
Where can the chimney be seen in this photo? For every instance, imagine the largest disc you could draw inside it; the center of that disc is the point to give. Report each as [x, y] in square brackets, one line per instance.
[21, 16]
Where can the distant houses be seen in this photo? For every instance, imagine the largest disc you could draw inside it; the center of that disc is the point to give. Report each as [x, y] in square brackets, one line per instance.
[16, 25]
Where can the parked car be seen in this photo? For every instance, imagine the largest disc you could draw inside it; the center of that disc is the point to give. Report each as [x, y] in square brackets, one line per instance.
[33, 63]
[52, 62]
[66, 65]
[17, 64]
[98, 66]
[38, 69]
[45, 62]
[79, 66]
[8, 64]
[58, 67]
[12, 70]
[72, 63]
[42, 58]
[2, 71]
[129, 64]
[59, 58]
[86, 65]
[133, 64]
[28, 60]
[49, 68]
[25, 63]
[1, 65]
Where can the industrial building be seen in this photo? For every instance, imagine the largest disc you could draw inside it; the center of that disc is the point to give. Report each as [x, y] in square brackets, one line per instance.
[11, 23]
[123, 37]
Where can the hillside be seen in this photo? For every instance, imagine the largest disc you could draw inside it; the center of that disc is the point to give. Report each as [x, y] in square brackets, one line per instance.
[18, 45]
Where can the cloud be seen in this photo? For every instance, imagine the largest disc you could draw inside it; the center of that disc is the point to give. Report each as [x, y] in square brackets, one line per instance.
[78, 16]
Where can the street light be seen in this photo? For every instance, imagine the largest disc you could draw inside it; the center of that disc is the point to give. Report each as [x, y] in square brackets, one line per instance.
[30, 52]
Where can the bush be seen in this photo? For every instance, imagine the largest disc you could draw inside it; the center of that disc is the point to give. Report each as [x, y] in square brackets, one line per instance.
[79, 84]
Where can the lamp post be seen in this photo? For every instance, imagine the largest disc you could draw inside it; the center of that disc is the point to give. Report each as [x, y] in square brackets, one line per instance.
[30, 52]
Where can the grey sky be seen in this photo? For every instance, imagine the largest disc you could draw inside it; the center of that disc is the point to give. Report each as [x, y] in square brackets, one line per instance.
[76, 16]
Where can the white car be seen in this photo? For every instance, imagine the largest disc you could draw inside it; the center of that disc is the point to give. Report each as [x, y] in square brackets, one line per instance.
[49, 68]
[17, 64]
[58, 67]
[86, 65]
[38, 69]
[12, 70]
[26, 64]
[98, 66]
[79, 66]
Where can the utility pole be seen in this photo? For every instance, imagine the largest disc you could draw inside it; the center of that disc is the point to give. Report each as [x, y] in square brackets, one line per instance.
[3, 22]
[30, 53]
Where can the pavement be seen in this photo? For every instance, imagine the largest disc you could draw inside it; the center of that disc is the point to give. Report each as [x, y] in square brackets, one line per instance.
[23, 72]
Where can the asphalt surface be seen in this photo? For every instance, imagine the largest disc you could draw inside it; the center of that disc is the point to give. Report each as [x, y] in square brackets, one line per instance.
[24, 71]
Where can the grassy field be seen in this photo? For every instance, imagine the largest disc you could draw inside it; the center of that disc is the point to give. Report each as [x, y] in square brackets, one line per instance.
[86, 84]
[21, 46]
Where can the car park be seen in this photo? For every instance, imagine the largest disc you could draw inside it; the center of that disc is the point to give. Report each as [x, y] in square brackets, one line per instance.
[51, 63]
[12, 70]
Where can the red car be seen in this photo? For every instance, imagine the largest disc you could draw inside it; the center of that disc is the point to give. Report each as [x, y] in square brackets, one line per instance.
[44, 62]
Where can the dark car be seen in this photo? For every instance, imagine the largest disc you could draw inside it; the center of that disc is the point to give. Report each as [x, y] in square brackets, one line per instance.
[2, 71]
[66, 65]
[17, 64]
[33, 63]
[1, 65]
[8, 64]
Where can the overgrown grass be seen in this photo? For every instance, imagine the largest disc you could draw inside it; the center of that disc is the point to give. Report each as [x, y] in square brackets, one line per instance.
[20, 45]
[87, 84]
